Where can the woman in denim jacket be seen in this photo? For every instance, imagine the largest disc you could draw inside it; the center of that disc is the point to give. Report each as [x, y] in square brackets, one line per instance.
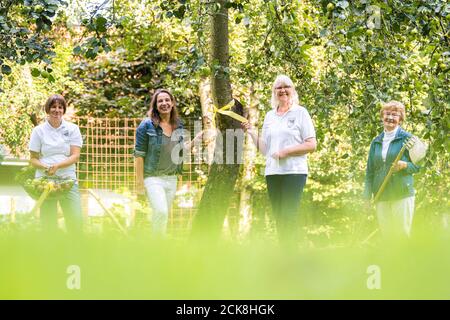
[395, 206]
[158, 152]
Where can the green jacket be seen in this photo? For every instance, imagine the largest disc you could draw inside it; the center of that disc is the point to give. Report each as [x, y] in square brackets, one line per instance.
[401, 184]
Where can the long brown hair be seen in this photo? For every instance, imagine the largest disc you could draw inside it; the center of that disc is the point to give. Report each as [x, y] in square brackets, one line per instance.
[154, 113]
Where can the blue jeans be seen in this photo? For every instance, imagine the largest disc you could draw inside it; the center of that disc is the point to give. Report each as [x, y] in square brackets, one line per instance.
[70, 204]
[285, 192]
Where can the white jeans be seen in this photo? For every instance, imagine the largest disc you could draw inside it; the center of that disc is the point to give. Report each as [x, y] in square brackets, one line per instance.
[395, 217]
[160, 192]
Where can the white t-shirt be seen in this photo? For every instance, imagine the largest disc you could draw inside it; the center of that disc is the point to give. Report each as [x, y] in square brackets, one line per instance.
[387, 139]
[282, 131]
[53, 145]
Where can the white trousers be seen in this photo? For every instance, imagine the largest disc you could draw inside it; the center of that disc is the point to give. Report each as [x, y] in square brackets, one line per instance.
[160, 192]
[395, 217]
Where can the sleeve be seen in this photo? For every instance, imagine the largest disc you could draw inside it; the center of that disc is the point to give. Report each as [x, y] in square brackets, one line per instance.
[75, 137]
[265, 128]
[35, 141]
[306, 126]
[140, 148]
[369, 174]
[411, 167]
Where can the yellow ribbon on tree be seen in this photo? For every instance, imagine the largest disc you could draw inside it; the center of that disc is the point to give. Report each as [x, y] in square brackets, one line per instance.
[224, 110]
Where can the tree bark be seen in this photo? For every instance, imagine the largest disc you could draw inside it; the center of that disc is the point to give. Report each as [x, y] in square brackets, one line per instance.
[222, 177]
[248, 174]
[208, 121]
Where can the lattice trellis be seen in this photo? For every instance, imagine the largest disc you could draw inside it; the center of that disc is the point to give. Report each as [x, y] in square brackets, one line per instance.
[107, 162]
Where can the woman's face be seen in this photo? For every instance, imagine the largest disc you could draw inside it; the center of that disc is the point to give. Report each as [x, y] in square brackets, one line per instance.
[391, 119]
[284, 92]
[56, 111]
[164, 104]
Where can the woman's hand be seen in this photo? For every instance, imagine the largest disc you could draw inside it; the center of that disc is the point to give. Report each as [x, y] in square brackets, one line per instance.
[51, 170]
[257, 140]
[279, 155]
[246, 126]
[140, 189]
[139, 163]
[400, 165]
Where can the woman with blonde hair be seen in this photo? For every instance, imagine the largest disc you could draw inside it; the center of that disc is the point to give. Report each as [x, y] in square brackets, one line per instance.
[288, 135]
[395, 205]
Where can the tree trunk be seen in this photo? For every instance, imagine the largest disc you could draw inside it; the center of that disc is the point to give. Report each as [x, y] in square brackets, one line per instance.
[208, 120]
[248, 174]
[219, 188]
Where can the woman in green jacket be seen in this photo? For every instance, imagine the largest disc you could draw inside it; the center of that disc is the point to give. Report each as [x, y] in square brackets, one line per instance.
[395, 206]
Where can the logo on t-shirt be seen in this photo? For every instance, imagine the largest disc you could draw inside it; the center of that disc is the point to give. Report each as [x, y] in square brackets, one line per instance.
[66, 133]
[290, 123]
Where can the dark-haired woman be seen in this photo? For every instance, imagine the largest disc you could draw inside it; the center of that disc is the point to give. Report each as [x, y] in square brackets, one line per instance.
[159, 144]
[54, 150]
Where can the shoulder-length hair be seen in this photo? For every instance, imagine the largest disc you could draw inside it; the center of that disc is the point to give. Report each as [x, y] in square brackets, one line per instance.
[154, 113]
[283, 80]
[54, 99]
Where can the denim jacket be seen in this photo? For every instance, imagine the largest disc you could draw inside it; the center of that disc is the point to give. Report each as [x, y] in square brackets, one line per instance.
[401, 184]
[148, 145]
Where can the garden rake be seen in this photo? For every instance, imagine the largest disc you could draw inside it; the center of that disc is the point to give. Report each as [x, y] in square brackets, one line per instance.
[417, 151]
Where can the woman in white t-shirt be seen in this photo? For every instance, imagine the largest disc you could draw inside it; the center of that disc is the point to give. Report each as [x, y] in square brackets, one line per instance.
[288, 135]
[54, 149]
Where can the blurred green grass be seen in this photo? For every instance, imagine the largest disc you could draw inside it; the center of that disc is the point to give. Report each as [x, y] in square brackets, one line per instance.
[34, 266]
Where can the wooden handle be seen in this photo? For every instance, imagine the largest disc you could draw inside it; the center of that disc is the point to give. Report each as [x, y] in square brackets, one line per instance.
[41, 199]
[110, 214]
[390, 172]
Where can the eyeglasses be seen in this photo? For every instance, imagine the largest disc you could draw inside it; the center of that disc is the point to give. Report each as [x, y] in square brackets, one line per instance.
[387, 114]
[283, 87]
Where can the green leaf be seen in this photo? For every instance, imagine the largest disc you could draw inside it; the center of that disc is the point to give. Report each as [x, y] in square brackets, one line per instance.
[35, 72]
[77, 50]
[6, 69]
[179, 13]
[100, 24]
[90, 54]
